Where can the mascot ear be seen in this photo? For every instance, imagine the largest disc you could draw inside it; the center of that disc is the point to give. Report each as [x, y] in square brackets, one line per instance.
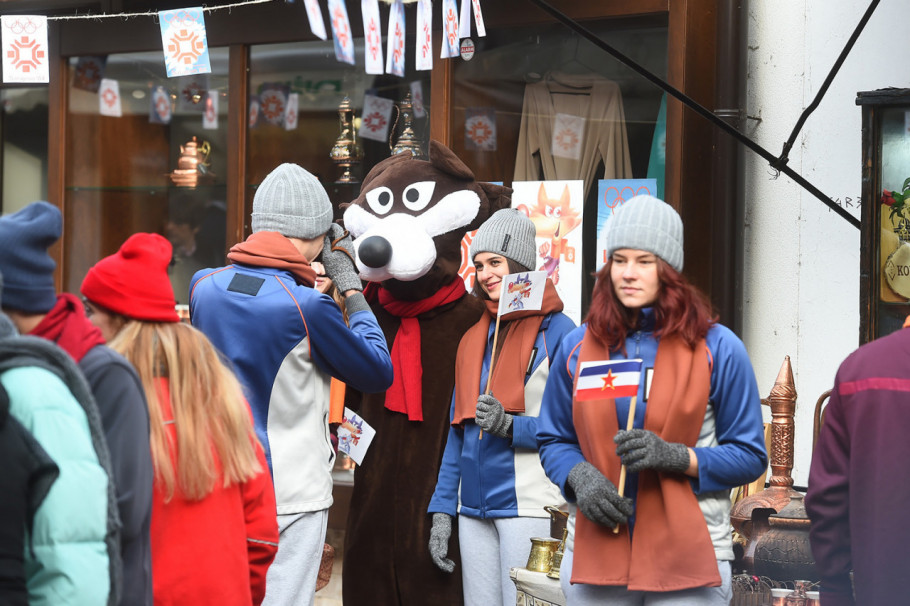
[499, 196]
[387, 164]
[444, 159]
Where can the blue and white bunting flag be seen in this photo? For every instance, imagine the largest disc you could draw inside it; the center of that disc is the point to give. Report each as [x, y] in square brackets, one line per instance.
[394, 60]
[25, 57]
[372, 36]
[449, 45]
[341, 32]
[184, 41]
[424, 37]
[314, 16]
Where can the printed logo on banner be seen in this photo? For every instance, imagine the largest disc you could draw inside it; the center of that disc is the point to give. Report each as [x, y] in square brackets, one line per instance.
[424, 37]
[109, 98]
[291, 115]
[88, 73]
[160, 106]
[394, 61]
[273, 100]
[341, 32]
[314, 16]
[417, 99]
[24, 39]
[555, 208]
[568, 132]
[611, 194]
[254, 112]
[372, 38]
[466, 271]
[191, 93]
[450, 30]
[375, 118]
[480, 129]
[210, 115]
[186, 50]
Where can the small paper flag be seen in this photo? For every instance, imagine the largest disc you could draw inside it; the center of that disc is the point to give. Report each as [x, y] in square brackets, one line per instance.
[608, 379]
[377, 113]
[372, 47]
[417, 99]
[183, 37]
[341, 32]
[273, 103]
[394, 60]
[480, 129]
[210, 115]
[521, 292]
[354, 436]
[254, 112]
[160, 106]
[291, 114]
[24, 41]
[109, 98]
[424, 37]
[314, 16]
[449, 45]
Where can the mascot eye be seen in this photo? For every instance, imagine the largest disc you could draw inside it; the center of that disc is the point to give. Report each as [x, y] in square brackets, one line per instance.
[418, 195]
[380, 200]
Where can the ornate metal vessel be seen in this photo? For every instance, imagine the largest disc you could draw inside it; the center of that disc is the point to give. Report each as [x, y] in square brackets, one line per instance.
[346, 152]
[407, 141]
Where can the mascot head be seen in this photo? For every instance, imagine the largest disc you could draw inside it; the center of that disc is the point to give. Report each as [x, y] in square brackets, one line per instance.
[411, 216]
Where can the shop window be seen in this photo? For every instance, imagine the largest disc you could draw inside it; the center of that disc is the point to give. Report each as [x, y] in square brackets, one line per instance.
[23, 132]
[309, 72]
[159, 166]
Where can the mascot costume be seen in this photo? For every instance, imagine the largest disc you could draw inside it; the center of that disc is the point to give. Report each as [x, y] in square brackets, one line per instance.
[408, 224]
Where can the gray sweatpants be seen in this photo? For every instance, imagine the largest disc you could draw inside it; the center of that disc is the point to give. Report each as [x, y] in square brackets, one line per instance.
[291, 580]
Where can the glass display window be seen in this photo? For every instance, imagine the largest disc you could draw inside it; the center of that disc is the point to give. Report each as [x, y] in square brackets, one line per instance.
[23, 131]
[146, 153]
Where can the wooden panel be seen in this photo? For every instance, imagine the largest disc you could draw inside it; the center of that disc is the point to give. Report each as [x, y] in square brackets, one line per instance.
[56, 153]
[440, 96]
[238, 110]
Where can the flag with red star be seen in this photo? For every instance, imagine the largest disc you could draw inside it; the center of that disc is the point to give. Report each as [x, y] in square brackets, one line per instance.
[608, 379]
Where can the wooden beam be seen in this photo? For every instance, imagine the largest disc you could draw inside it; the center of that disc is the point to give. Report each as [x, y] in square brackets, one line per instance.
[238, 112]
[56, 140]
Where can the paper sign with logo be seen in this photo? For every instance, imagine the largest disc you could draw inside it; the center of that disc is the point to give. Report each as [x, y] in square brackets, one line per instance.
[449, 30]
[341, 32]
[314, 16]
[555, 208]
[377, 112]
[611, 194]
[417, 99]
[109, 98]
[88, 73]
[394, 60]
[160, 106]
[24, 39]
[480, 129]
[183, 37]
[291, 115]
[273, 102]
[424, 38]
[372, 47]
[354, 436]
[568, 135]
[210, 115]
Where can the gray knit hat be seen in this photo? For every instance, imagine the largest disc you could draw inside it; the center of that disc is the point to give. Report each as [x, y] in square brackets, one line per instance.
[292, 202]
[510, 233]
[646, 223]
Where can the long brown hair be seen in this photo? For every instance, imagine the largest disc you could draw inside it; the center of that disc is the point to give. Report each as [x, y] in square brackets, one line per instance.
[211, 418]
[680, 309]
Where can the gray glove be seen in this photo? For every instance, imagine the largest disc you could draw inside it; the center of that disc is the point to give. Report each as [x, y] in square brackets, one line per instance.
[338, 259]
[491, 417]
[597, 497]
[642, 449]
[439, 541]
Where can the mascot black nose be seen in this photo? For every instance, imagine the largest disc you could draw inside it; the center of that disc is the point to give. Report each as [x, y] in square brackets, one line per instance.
[375, 252]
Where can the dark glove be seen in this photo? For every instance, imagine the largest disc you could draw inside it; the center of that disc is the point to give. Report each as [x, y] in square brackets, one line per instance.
[642, 449]
[597, 497]
[439, 541]
[338, 259]
[491, 417]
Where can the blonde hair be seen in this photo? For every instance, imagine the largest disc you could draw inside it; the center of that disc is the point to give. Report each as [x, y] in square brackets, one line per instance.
[212, 420]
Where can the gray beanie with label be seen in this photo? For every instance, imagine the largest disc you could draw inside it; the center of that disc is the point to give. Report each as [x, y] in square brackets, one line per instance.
[646, 223]
[292, 202]
[510, 233]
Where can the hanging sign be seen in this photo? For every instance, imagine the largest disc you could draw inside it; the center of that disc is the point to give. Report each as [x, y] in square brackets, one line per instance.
[376, 115]
[109, 98]
[464, 21]
[159, 106]
[314, 16]
[449, 30]
[341, 32]
[210, 114]
[291, 115]
[394, 61]
[273, 99]
[424, 37]
[417, 99]
[183, 37]
[480, 129]
[372, 47]
[24, 41]
[88, 73]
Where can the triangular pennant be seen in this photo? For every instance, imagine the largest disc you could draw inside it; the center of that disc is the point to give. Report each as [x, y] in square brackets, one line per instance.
[25, 57]
[183, 37]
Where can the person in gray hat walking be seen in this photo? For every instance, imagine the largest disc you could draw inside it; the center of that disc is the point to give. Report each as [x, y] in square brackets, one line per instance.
[286, 340]
[494, 483]
[651, 345]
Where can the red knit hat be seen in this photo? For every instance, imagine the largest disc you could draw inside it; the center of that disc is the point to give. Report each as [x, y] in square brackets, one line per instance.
[133, 282]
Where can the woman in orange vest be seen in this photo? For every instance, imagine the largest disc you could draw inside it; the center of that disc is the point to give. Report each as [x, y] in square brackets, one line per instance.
[650, 345]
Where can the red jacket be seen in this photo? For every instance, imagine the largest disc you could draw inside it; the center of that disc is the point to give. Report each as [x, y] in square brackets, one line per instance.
[217, 550]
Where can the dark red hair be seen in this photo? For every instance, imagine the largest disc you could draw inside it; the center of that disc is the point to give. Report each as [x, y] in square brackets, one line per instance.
[680, 309]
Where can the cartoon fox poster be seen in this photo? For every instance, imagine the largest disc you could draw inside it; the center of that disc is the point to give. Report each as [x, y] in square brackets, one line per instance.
[555, 208]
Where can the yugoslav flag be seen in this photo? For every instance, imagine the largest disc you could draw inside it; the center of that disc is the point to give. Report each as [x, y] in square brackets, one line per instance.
[608, 379]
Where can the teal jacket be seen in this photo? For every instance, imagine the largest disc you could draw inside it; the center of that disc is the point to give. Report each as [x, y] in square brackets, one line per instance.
[71, 555]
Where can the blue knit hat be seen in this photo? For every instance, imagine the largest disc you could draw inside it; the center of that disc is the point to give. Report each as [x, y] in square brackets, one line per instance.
[28, 271]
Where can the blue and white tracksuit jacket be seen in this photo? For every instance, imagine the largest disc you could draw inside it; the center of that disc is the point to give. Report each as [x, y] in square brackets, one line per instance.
[730, 446]
[489, 477]
[285, 342]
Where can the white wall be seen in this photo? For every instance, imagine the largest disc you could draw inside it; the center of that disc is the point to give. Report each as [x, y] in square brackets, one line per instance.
[801, 286]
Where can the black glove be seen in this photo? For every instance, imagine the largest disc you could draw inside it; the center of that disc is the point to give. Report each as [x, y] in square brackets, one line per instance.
[642, 449]
[338, 259]
[597, 497]
[439, 541]
[491, 417]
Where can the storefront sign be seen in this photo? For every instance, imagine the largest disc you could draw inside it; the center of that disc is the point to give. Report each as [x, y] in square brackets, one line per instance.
[467, 49]
[24, 51]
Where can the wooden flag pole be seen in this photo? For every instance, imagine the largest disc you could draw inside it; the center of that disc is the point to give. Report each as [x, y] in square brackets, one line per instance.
[622, 471]
[492, 359]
